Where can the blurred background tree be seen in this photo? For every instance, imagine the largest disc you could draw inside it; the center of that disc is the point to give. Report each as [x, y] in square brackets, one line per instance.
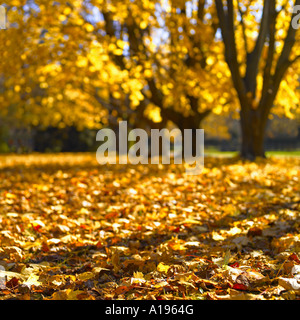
[71, 68]
[262, 50]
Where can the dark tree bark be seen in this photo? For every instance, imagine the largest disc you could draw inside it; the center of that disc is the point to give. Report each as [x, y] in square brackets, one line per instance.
[253, 132]
[254, 115]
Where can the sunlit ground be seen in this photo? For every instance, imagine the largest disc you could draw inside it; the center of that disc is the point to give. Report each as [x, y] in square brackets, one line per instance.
[72, 229]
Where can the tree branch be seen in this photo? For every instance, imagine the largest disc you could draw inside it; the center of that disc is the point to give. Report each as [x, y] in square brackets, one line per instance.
[271, 49]
[253, 57]
[111, 31]
[243, 28]
[200, 11]
[226, 21]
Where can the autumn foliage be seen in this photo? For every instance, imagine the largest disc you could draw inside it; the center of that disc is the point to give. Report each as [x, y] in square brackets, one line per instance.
[93, 63]
[71, 229]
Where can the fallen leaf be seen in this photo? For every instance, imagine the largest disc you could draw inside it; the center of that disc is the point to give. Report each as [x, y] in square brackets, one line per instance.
[163, 267]
[85, 276]
[33, 280]
[12, 283]
[289, 283]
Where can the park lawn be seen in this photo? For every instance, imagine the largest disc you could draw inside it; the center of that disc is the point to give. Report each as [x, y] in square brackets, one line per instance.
[228, 154]
[72, 229]
[295, 153]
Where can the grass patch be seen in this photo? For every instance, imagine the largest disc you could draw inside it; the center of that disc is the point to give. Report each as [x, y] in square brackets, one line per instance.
[229, 154]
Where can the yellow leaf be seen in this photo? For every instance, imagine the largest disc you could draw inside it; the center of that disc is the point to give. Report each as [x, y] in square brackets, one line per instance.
[67, 294]
[85, 276]
[143, 25]
[115, 260]
[118, 52]
[17, 88]
[62, 17]
[89, 27]
[72, 294]
[10, 195]
[121, 44]
[111, 47]
[33, 280]
[217, 237]
[163, 267]
[67, 11]
[177, 245]
[138, 275]
[148, 73]
[233, 231]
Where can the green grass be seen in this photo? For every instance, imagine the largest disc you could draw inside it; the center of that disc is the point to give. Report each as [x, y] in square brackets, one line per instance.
[228, 154]
[283, 153]
[221, 154]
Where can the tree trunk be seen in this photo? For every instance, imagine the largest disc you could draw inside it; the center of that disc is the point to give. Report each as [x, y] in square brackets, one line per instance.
[192, 143]
[191, 124]
[253, 129]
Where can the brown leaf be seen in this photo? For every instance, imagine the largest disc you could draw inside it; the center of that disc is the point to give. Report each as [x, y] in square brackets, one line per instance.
[12, 283]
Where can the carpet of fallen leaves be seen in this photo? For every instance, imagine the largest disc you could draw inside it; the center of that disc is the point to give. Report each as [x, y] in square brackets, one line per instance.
[72, 229]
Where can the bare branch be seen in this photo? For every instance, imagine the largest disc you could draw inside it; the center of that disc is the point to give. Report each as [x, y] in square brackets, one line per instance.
[253, 58]
[243, 27]
[200, 11]
[271, 49]
[226, 21]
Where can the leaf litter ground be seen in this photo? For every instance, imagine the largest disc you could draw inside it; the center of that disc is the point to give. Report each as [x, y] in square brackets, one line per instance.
[72, 229]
